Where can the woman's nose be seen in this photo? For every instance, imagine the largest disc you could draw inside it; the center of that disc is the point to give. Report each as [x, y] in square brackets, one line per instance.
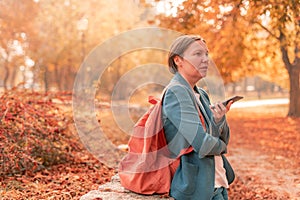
[205, 59]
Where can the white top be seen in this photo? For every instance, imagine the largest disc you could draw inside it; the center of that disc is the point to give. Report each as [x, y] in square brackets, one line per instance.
[220, 173]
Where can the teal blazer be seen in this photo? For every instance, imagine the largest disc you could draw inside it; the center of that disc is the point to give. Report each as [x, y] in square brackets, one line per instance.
[194, 178]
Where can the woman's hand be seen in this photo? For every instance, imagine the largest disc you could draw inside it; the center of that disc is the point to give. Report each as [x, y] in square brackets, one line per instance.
[219, 110]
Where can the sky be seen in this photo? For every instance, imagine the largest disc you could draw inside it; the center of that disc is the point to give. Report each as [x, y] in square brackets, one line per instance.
[166, 7]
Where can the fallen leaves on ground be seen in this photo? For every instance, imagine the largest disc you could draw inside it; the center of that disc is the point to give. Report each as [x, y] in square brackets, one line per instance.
[63, 181]
[41, 155]
[272, 135]
[269, 133]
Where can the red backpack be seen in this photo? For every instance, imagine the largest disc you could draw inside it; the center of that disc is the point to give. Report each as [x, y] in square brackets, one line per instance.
[148, 168]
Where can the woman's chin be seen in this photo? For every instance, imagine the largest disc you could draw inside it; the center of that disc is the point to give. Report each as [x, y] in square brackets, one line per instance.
[202, 74]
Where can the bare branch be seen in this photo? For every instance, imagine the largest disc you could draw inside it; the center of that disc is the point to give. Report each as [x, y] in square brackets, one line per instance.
[266, 29]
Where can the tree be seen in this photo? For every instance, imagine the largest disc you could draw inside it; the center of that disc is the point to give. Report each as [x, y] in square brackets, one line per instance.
[69, 29]
[14, 35]
[246, 37]
[284, 28]
[57, 35]
[56, 48]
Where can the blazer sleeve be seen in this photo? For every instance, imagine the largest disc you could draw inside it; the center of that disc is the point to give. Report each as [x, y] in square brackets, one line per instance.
[180, 113]
[221, 130]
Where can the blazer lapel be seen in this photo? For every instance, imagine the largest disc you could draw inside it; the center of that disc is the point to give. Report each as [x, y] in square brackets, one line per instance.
[203, 108]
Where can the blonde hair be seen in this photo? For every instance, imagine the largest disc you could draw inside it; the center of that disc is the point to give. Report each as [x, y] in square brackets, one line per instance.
[178, 47]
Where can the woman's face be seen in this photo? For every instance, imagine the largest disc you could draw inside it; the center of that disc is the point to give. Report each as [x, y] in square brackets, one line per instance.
[194, 63]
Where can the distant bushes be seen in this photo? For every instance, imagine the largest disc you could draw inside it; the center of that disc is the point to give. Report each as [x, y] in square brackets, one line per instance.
[34, 132]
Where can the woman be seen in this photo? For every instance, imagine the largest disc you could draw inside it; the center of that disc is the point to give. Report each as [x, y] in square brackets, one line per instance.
[190, 121]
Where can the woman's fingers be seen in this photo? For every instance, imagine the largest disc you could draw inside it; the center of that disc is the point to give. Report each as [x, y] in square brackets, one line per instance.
[219, 110]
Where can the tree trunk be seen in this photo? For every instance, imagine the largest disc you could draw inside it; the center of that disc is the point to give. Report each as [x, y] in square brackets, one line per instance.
[294, 107]
[13, 81]
[69, 81]
[46, 79]
[57, 77]
[294, 71]
[6, 75]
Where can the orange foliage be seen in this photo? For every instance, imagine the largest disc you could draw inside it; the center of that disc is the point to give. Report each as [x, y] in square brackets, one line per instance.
[41, 156]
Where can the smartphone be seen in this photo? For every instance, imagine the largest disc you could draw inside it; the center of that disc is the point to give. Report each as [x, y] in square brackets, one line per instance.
[234, 99]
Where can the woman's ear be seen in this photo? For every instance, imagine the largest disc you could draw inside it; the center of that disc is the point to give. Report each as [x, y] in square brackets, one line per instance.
[178, 60]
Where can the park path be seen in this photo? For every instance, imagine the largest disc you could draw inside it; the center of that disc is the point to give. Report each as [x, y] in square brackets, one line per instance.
[264, 149]
[254, 169]
[260, 102]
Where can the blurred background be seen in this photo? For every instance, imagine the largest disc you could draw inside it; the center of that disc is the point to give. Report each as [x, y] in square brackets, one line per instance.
[254, 44]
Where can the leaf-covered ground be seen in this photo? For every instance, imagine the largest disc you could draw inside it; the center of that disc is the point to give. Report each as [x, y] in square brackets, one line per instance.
[263, 150]
[41, 156]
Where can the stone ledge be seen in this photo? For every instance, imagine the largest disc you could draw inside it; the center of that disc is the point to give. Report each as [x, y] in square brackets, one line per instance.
[113, 190]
